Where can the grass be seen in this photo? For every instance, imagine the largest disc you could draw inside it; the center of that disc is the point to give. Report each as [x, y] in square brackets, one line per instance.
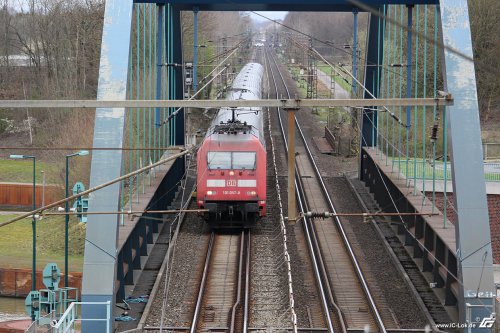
[322, 114]
[21, 171]
[16, 243]
[16, 238]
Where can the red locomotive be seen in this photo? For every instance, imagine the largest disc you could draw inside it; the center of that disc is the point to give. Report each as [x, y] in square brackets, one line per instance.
[231, 161]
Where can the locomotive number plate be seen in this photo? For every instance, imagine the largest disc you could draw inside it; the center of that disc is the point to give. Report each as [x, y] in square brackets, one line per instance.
[231, 182]
[231, 192]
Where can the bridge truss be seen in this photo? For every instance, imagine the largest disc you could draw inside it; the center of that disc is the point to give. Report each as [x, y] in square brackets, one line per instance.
[128, 71]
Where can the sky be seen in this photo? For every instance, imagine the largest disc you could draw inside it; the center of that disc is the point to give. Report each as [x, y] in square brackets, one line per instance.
[271, 15]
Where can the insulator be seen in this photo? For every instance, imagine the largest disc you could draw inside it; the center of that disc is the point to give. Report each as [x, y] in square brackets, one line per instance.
[434, 131]
[317, 215]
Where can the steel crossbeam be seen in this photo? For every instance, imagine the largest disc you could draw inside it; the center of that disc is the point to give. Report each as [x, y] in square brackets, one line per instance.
[283, 103]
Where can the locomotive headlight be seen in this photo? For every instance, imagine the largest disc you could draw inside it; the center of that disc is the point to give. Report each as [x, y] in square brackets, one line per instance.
[262, 202]
[211, 192]
[231, 173]
[253, 193]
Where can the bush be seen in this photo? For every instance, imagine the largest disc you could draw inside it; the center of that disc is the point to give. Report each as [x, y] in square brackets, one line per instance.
[5, 123]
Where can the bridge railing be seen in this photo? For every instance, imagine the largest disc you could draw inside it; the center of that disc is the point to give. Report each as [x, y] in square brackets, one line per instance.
[70, 319]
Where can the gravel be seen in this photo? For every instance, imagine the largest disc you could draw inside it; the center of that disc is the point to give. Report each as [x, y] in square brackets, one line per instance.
[192, 240]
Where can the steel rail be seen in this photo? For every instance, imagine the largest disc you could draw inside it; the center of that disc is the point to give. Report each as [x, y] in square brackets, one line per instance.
[345, 239]
[282, 103]
[314, 260]
[247, 285]
[286, 254]
[288, 329]
[239, 286]
[330, 214]
[339, 226]
[309, 228]
[359, 272]
[308, 225]
[197, 308]
[311, 232]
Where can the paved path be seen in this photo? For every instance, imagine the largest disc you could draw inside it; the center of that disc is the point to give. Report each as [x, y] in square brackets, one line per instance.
[340, 92]
[11, 212]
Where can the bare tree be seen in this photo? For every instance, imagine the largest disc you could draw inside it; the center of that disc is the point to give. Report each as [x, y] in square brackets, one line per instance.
[5, 23]
[485, 31]
[62, 40]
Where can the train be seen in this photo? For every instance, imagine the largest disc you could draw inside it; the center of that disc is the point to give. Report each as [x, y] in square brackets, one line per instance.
[231, 160]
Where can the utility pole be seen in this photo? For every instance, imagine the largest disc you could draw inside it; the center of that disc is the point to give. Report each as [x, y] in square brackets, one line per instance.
[195, 48]
[354, 51]
[292, 205]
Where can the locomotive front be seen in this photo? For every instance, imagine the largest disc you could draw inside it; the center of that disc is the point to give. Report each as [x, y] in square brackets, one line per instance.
[231, 162]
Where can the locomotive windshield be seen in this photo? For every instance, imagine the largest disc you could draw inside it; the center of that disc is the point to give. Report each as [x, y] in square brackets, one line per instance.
[243, 160]
[219, 160]
[231, 160]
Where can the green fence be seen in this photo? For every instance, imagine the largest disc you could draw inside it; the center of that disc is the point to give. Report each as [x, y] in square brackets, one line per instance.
[421, 169]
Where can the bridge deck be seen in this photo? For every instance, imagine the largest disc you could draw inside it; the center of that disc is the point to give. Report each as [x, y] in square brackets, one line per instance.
[427, 238]
[418, 200]
[141, 202]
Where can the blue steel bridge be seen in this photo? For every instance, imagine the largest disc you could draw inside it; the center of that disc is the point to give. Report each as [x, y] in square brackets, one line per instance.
[141, 59]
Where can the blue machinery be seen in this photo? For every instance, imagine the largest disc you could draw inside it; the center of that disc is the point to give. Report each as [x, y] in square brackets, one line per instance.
[52, 300]
[130, 72]
[81, 204]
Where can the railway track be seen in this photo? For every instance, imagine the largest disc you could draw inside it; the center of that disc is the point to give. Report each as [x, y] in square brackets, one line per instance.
[223, 299]
[347, 301]
[318, 314]
[217, 298]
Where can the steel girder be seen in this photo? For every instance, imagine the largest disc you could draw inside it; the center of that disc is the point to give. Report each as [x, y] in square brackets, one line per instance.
[474, 253]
